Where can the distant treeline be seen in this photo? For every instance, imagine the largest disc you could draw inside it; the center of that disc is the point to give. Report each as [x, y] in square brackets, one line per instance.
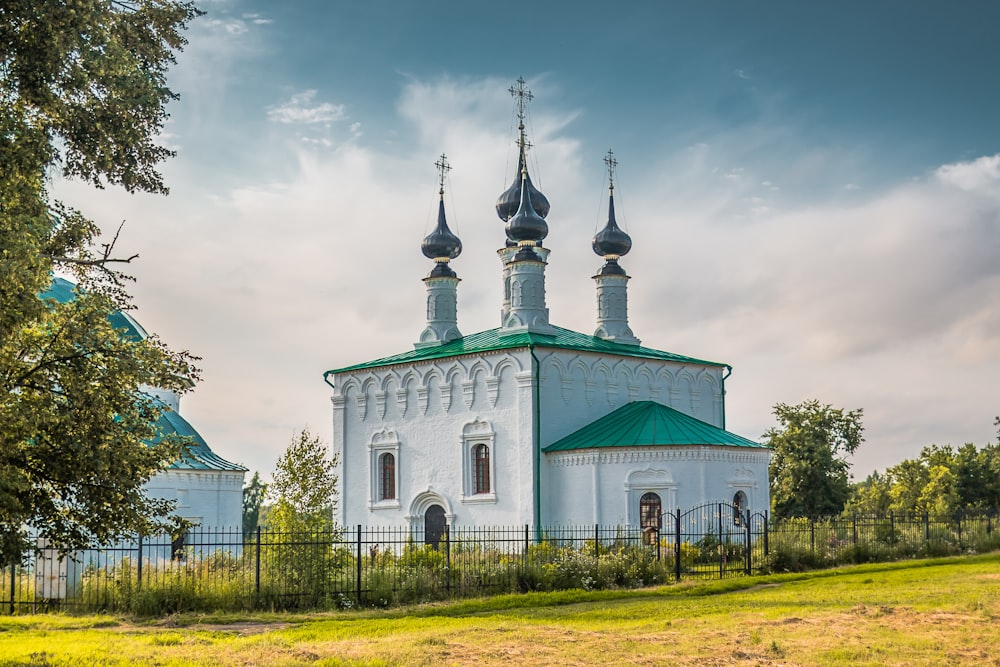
[942, 480]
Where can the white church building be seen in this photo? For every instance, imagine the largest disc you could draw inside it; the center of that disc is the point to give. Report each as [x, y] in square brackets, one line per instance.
[529, 422]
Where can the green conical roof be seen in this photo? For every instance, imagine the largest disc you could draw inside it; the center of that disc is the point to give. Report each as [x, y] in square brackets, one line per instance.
[648, 424]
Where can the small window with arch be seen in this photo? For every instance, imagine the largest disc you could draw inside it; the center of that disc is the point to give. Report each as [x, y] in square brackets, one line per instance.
[650, 509]
[739, 508]
[387, 476]
[481, 468]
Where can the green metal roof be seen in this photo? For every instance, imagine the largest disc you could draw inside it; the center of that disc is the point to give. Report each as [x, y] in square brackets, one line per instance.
[64, 291]
[491, 340]
[198, 455]
[648, 424]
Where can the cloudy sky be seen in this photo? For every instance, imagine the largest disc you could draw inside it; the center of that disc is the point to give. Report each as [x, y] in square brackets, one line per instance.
[813, 191]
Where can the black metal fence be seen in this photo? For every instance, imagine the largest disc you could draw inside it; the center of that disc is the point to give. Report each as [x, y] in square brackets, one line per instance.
[211, 570]
[806, 543]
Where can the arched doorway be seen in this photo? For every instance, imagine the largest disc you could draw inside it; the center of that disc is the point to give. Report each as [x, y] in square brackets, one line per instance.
[434, 524]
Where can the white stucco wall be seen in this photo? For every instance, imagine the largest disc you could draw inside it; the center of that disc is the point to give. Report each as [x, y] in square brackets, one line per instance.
[578, 388]
[682, 476]
[210, 498]
[428, 414]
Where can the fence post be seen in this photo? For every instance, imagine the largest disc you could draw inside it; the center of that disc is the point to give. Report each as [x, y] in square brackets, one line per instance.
[927, 527]
[256, 575]
[854, 529]
[746, 546]
[138, 585]
[892, 527]
[447, 558]
[959, 518]
[722, 548]
[13, 586]
[677, 545]
[597, 541]
[358, 573]
[524, 555]
[812, 536]
[767, 531]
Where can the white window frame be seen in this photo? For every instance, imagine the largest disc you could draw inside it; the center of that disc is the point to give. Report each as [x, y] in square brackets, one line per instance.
[478, 432]
[382, 442]
[742, 479]
[656, 480]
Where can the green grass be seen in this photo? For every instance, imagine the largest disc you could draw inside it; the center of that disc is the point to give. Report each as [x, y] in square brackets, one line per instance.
[931, 612]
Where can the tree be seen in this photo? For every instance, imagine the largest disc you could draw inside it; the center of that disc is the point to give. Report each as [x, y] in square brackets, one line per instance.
[82, 91]
[809, 475]
[304, 495]
[871, 496]
[304, 490]
[943, 480]
[253, 498]
[907, 480]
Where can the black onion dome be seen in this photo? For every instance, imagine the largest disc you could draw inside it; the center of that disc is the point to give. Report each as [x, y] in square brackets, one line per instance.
[510, 200]
[526, 225]
[441, 243]
[612, 241]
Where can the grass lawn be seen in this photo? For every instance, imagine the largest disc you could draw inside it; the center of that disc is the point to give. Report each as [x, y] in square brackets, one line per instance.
[934, 612]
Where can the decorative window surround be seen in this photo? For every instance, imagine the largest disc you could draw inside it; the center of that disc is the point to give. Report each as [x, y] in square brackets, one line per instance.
[743, 480]
[478, 432]
[649, 480]
[382, 442]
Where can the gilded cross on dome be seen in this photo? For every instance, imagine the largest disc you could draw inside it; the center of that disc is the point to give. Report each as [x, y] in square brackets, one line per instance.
[610, 160]
[443, 169]
[519, 91]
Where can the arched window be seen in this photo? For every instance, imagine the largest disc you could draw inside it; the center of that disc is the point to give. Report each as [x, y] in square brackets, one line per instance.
[650, 509]
[739, 507]
[481, 468]
[387, 477]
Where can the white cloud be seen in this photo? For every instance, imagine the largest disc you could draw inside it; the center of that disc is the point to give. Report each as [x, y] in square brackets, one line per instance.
[982, 174]
[257, 19]
[300, 109]
[230, 25]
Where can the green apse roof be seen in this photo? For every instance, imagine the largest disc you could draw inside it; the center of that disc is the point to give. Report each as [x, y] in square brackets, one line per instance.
[198, 456]
[648, 424]
[491, 340]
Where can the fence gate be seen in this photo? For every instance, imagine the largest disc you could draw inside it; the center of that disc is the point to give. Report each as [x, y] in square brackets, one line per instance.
[714, 540]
